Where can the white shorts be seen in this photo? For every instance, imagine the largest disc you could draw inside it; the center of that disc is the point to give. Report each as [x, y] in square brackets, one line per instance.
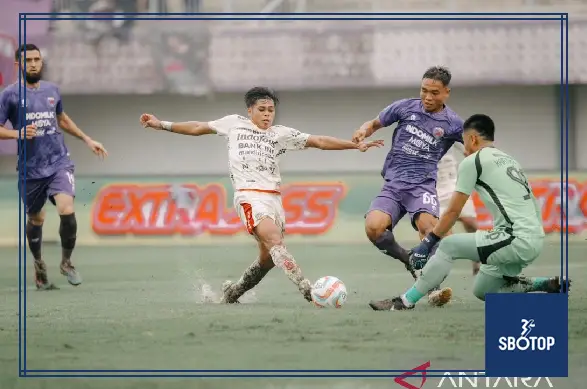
[468, 209]
[253, 206]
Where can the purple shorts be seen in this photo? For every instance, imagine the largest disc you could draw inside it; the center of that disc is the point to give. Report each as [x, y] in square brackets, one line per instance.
[37, 191]
[397, 199]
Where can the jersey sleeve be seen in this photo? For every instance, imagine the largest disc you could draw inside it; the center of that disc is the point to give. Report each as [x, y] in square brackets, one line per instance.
[223, 125]
[456, 135]
[4, 107]
[59, 104]
[293, 139]
[467, 176]
[391, 113]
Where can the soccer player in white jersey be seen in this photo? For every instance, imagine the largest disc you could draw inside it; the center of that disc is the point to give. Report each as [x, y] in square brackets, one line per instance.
[254, 148]
[445, 186]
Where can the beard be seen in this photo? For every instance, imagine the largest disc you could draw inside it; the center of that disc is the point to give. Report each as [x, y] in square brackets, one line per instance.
[33, 78]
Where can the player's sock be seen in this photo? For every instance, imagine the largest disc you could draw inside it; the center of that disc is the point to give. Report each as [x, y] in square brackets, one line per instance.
[34, 234]
[68, 234]
[250, 278]
[389, 246]
[432, 252]
[285, 261]
[435, 271]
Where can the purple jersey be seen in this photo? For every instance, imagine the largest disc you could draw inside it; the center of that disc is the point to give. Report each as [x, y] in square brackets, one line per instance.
[420, 140]
[46, 153]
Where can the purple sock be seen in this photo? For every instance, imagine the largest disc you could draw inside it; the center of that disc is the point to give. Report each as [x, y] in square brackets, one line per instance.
[388, 245]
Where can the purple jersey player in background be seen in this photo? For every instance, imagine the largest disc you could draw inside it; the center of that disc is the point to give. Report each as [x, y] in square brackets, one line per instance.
[49, 170]
[426, 129]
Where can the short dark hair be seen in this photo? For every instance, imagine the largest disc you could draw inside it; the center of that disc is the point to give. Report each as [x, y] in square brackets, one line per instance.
[438, 73]
[483, 124]
[23, 48]
[259, 93]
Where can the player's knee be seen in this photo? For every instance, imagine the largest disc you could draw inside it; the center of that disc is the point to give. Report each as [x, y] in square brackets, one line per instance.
[479, 290]
[36, 219]
[66, 210]
[272, 240]
[376, 224]
[425, 223]
[374, 232]
[479, 293]
[64, 204]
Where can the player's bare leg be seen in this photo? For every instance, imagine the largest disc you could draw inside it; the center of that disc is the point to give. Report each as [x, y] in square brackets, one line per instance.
[270, 238]
[470, 225]
[68, 234]
[425, 223]
[34, 233]
[376, 227]
[250, 278]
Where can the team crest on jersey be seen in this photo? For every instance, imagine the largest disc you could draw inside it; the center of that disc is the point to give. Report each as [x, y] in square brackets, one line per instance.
[51, 101]
[438, 132]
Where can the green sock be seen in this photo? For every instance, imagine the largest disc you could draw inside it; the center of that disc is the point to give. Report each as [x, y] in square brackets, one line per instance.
[435, 271]
[412, 296]
[540, 284]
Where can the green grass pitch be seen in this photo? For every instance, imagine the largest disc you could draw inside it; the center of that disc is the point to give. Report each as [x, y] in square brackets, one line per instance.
[140, 308]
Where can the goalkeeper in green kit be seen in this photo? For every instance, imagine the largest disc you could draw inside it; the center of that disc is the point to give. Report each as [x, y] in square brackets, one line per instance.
[515, 241]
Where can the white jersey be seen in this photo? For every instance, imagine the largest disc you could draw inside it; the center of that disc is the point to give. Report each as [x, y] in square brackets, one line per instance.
[447, 170]
[253, 153]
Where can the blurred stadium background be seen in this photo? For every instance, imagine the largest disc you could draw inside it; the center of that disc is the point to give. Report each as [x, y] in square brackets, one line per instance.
[331, 77]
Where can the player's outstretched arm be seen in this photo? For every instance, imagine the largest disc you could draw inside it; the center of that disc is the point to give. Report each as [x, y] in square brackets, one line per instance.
[367, 129]
[183, 128]
[330, 143]
[68, 125]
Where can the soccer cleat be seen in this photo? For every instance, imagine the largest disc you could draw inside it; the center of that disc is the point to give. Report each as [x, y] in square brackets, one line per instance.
[68, 270]
[306, 289]
[394, 304]
[440, 298]
[227, 296]
[41, 280]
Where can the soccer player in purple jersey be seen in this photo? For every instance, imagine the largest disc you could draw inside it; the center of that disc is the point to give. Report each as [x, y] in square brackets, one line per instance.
[426, 129]
[49, 170]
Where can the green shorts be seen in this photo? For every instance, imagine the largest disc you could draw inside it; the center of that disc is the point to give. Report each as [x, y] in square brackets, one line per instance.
[500, 253]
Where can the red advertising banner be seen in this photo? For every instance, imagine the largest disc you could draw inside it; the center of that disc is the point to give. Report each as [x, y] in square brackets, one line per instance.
[149, 210]
[548, 192]
[310, 208]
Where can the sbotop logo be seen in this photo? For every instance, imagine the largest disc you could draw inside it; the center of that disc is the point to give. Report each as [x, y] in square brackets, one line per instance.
[525, 342]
